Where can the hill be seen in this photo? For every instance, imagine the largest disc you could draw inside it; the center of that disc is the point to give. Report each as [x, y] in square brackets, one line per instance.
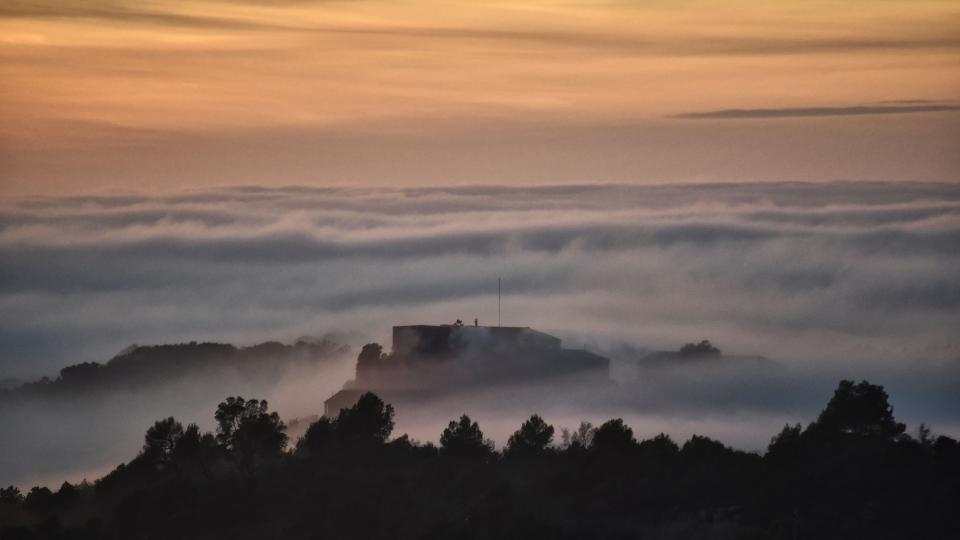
[141, 366]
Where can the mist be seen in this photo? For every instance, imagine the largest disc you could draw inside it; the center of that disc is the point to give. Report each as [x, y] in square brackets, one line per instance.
[826, 281]
[86, 434]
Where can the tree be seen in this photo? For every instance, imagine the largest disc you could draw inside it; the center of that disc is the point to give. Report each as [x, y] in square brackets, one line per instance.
[38, 499]
[369, 422]
[614, 436]
[658, 448]
[704, 348]
[463, 439]
[947, 449]
[161, 440]
[704, 450]
[258, 438]
[531, 439]
[786, 444]
[582, 438]
[66, 494]
[319, 439]
[370, 359]
[229, 415]
[196, 449]
[81, 374]
[924, 436]
[857, 410]
[10, 495]
[247, 432]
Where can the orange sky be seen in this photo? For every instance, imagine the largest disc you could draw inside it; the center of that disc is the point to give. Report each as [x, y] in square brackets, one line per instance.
[106, 94]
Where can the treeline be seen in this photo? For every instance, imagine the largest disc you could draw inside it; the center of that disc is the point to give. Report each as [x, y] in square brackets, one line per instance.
[140, 366]
[853, 472]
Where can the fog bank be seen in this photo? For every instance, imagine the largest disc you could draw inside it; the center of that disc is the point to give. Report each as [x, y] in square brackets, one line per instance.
[828, 281]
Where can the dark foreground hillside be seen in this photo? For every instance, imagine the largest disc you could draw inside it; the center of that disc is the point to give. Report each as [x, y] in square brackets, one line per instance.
[851, 473]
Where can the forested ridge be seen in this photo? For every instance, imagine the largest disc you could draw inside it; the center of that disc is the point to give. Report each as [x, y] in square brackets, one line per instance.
[853, 472]
[140, 366]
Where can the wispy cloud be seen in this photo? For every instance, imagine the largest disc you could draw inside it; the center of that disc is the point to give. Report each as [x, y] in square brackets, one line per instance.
[129, 12]
[630, 44]
[179, 93]
[800, 112]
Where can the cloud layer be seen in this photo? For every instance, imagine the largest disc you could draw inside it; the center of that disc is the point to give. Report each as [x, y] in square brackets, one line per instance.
[854, 280]
[801, 112]
[774, 269]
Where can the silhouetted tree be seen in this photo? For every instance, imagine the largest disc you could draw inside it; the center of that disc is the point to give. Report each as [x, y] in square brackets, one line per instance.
[924, 436]
[858, 409]
[786, 444]
[10, 495]
[368, 422]
[320, 438]
[247, 432]
[195, 449]
[850, 484]
[659, 448]
[703, 449]
[614, 436]
[160, 441]
[531, 439]
[947, 449]
[463, 439]
[66, 494]
[580, 439]
[229, 415]
[369, 359]
[704, 348]
[81, 374]
[38, 499]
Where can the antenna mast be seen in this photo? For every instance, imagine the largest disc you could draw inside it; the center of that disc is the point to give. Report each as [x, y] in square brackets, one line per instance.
[499, 280]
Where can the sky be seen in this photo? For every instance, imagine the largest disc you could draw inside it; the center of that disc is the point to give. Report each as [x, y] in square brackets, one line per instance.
[108, 96]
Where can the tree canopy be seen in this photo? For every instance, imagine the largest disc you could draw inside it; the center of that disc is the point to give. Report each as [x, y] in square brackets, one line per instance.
[463, 439]
[532, 439]
[614, 436]
[858, 409]
[368, 422]
[852, 473]
[704, 348]
[161, 440]
[248, 432]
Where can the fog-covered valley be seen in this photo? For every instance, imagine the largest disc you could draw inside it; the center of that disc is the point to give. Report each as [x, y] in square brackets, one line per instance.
[826, 281]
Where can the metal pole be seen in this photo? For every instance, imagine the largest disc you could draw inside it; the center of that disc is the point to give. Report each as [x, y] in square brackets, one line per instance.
[499, 280]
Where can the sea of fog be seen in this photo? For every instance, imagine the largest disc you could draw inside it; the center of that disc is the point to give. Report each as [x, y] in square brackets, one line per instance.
[833, 280]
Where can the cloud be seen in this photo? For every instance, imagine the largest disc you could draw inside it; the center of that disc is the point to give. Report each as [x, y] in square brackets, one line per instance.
[761, 266]
[185, 15]
[801, 112]
[125, 12]
[628, 44]
[828, 280]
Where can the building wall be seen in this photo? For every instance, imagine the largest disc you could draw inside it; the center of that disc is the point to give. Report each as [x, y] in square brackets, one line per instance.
[445, 340]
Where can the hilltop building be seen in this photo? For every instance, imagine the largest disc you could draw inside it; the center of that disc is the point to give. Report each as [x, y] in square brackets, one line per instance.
[429, 361]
